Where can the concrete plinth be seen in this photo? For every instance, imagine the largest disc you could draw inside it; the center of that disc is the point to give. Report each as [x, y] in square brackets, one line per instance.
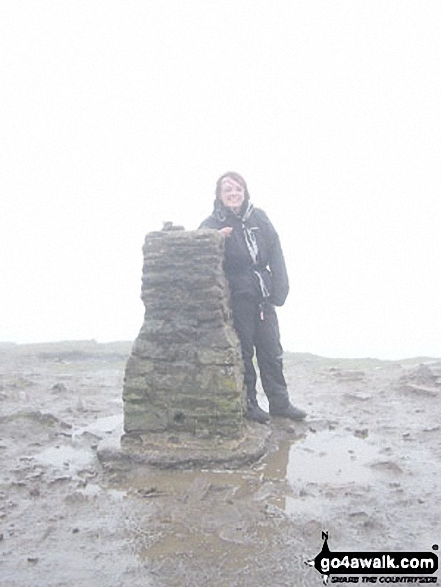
[185, 451]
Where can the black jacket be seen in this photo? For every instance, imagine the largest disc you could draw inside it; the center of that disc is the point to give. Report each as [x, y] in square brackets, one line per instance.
[239, 265]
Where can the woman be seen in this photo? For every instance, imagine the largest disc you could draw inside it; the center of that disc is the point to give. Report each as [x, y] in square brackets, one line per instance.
[256, 272]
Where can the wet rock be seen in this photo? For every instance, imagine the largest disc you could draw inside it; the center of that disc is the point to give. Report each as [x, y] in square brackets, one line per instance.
[371, 524]
[272, 511]
[64, 434]
[90, 437]
[387, 467]
[424, 374]
[235, 534]
[361, 433]
[150, 492]
[18, 484]
[420, 390]
[264, 492]
[358, 514]
[19, 382]
[198, 490]
[25, 459]
[432, 429]
[80, 405]
[347, 374]
[358, 397]
[174, 440]
[59, 388]
[87, 473]
[37, 473]
[44, 419]
[77, 497]
[61, 479]
[318, 425]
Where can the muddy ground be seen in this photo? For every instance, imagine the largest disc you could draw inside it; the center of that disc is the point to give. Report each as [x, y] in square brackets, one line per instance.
[365, 466]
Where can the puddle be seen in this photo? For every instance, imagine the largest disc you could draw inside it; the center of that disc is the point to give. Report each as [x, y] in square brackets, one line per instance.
[105, 425]
[325, 457]
[75, 457]
[313, 479]
[191, 485]
[315, 468]
[310, 506]
[93, 490]
[67, 458]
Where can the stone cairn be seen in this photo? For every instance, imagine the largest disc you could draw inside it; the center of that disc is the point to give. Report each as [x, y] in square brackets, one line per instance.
[185, 373]
[183, 390]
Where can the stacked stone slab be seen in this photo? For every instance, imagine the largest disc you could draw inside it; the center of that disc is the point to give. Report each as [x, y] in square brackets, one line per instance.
[185, 371]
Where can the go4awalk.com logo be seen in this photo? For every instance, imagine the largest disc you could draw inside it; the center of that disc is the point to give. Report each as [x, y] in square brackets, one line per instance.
[375, 567]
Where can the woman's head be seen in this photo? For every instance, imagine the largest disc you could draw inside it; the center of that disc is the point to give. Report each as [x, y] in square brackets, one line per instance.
[231, 190]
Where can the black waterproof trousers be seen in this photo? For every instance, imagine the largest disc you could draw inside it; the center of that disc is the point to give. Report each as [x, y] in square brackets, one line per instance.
[257, 327]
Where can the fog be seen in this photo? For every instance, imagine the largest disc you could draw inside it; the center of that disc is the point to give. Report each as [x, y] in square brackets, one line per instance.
[117, 116]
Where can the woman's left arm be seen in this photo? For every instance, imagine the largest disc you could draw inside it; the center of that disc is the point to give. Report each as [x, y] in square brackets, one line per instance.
[277, 265]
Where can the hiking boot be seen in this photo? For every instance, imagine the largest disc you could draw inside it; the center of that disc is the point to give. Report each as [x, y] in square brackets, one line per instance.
[256, 414]
[288, 412]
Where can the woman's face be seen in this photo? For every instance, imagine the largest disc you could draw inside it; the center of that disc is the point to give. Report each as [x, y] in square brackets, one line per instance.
[232, 194]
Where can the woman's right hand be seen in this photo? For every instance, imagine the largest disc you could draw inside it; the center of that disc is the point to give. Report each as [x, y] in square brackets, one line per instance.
[226, 231]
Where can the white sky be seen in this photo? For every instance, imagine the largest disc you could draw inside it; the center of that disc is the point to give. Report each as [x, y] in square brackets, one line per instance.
[118, 115]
